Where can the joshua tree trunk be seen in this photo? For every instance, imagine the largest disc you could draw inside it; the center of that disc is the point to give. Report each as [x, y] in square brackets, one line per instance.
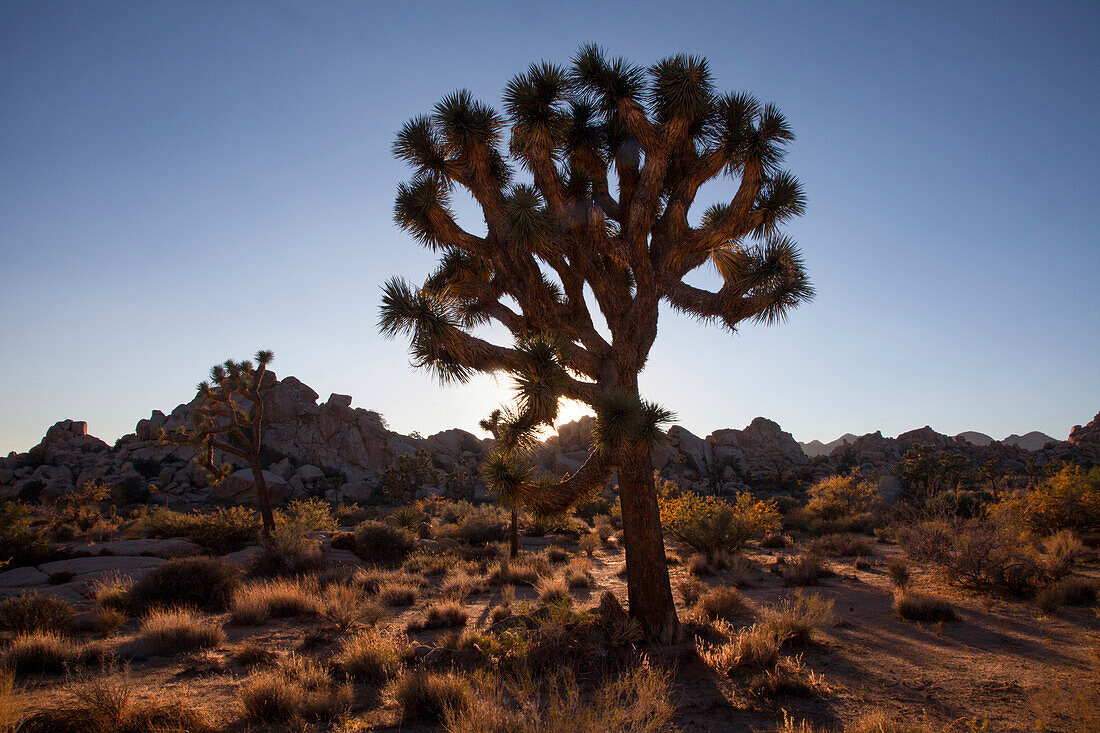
[648, 588]
[513, 540]
[263, 497]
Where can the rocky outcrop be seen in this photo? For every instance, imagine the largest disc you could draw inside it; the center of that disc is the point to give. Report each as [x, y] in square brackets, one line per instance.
[1086, 438]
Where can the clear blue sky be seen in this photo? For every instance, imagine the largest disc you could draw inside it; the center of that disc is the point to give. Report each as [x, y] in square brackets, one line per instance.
[184, 182]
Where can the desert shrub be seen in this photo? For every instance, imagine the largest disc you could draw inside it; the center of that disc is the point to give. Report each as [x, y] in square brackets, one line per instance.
[373, 657]
[255, 603]
[22, 542]
[407, 475]
[459, 583]
[106, 620]
[287, 551]
[835, 497]
[411, 518]
[752, 648]
[372, 579]
[1062, 550]
[842, 545]
[39, 652]
[252, 654]
[1070, 499]
[577, 573]
[915, 607]
[431, 696]
[788, 678]
[927, 541]
[440, 615]
[347, 606]
[590, 542]
[708, 524]
[225, 528]
[603, 526]
[553, 589]
[428, 564]
[478, 525]
[898, 570]
[722, 602]
[382, 543]
[523, 570]
[171, 631]
[637, 700]
[1066, 592]
[803, 570]
[309, 515]
[796, 617]
[32, 612]
[203, 582]
[395, 593]
[689, 589]
[105, 703]
[295, 689]
[775, 541]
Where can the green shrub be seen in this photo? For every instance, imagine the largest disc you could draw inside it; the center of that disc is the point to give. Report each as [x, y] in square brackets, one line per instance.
[407, 475]
[32, 612]
[709, 525]
[309, 515]
[836, 497]
[382, 543]
[287, 551]
[478, 525]
[207, 583]
[22, 542]
[1070, 499]
[222, 530]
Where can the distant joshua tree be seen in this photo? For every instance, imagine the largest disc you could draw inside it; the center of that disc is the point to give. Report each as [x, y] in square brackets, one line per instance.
[230, 418]
[507, 484]
[565, 244]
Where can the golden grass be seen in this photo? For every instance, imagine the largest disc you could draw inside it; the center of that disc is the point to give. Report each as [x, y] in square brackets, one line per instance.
[171, 631]
[441, 614]
[256, 603]
[371, 656]
[295, 689]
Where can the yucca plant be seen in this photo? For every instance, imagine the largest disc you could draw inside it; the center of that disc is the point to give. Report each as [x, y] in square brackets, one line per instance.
[571, 238]
[229, 418]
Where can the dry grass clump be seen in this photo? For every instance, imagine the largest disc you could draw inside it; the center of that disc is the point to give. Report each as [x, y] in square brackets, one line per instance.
[1066, 592]
[347, 606]
[206, 583]
[805, 570]
[775, 541]
[898, 570]
[10, 710]
[295, 689]
[796, 617]
[112, 592]
[754, 648]
[504, 609]
[638, 700]
[287, 551]
[433, 696]
[602, 525]
[440, 615]
[578, 572]
[106, 620]
[429, 564]
[590, 542]
[106, 704]
[251, 654]
[47, 652]
[556, 554]
[553, 589]
[523, 570]
[371, 656]
[32, 612]
[256, 603]
[788, 678]
[842, 545]
[722, 602]
[171, 631]
[739, 568]
[689, 589]
[459, 583]
[915, 607]
[371, 579]
[396, 593]
[1062, 550]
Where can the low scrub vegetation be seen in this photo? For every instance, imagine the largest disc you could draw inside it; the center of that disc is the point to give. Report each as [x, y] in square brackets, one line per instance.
[32, 612]
[374, 657]
[257, 602]
[916, 607]
[174, 631]
[382, 543]
[206, 583]
[296, 688]
[709, 524]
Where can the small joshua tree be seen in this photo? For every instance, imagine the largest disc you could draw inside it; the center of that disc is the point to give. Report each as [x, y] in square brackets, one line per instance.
[230, 419]
[505, 485]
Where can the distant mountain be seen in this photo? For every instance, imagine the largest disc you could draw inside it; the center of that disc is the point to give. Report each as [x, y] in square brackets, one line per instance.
[975, 438]
[1032, 441]
[816, 448]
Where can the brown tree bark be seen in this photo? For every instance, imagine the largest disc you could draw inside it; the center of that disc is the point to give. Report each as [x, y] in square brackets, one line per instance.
[513, 540]
[263, 497]
[648, 588]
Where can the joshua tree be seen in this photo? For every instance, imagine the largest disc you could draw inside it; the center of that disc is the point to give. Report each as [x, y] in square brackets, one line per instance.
[229, 418]
[502, 481]
[615, 155]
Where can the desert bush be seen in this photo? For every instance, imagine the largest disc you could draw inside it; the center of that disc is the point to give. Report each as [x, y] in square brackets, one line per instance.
[374, 657]
[898, 570]
[603, 526]
[796, 617]
[722, 602]
[106, 620]
[203, 582]
[590, 542]
[309, 515]
[39, 652]
[382, 543]
[428, 563]
[577, 572]
[32, 612]
[775, 540]
[835, 497]
[172, 631]
[523, 570]
[432, 696]
[412, 519]
[440, 615]
[349, 515]
[1062, 550]
[23, 542]
[788, 678]
[255, 603]
[395, 593]
[753, 648]
[407, 475]
[1070, 499]
[803, 570]
[347, 606]
[915, 607]
[287, 551]
[459, 583]
[708, 524]
[842, 545]
[105, 703]
[1066, 592]
[222, 530]
[689, 589]
[295, 689]
[553, 589]
[253, 654]
[477, 525]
